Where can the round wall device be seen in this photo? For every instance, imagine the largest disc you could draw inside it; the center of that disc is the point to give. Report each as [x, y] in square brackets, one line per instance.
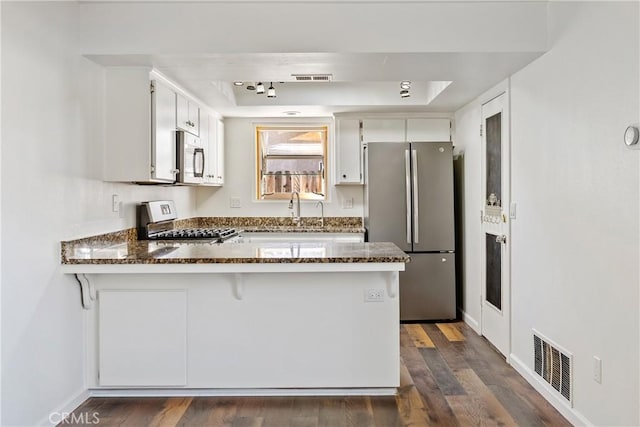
[631, 136]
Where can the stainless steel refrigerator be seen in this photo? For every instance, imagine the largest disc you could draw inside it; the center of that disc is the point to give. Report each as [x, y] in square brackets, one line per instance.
[409, 201]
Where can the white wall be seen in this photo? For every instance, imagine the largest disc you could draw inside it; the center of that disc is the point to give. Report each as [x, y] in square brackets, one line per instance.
[51, 191]
[240, 172]
[575, 242]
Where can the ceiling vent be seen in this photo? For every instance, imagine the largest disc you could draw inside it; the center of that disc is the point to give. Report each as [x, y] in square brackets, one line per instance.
[312, 77]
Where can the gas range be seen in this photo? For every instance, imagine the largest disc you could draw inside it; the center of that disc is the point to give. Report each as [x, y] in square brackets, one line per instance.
[156, 222]
[218, 234]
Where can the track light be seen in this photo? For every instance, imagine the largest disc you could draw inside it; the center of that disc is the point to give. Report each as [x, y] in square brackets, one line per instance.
[271, 93]
[260, 88]
[405, 85]
[404, 93]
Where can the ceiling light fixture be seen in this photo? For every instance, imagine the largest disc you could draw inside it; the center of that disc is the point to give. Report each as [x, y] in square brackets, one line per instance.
[251, 87]
[405, 85]
[271, 93]
[259, 88]
[238, 83]
[291, 113]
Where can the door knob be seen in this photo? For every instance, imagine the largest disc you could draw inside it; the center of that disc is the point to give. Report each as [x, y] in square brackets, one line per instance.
[501, 239]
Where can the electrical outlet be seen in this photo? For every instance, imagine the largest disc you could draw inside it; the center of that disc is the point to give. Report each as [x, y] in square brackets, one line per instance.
[347, 203]
[597, 370]
[374, 295]
[234, 202]
[115, 203]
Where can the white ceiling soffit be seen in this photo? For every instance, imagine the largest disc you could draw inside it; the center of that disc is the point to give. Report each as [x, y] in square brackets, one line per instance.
[367, 46]
[441, 82]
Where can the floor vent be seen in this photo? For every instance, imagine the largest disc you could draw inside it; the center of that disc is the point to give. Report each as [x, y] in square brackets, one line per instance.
[554, 365]
[313, 77]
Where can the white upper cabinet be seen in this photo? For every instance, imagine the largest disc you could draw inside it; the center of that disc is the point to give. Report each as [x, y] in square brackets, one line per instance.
[219, 172]
[188, 115]
[213, 128]
[143, 112]
[383, 130]
[140, 117]
[428, 130]
[348, 152]
[163, 139]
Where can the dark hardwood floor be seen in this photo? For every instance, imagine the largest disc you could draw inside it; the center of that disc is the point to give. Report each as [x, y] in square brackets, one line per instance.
[449, 377]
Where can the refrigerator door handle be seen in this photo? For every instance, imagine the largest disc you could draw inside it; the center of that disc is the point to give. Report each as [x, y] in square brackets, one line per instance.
[407, 165]
[414, 169]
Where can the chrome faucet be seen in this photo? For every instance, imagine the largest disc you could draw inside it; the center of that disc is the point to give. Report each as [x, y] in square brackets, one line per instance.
[295, 216]
[321, 213]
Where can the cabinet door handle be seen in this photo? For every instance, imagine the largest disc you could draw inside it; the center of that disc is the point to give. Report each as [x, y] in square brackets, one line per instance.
[414, 169]
[198, 152]
[407, 171]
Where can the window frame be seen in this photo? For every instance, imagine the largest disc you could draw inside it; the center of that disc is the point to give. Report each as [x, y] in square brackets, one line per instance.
[326, 127]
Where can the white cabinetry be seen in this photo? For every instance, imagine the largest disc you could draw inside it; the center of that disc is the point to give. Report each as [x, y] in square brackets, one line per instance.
[166, 329]
[142, 338]
[428, 130]
[188, 115]
[383, 130]
[219, 171]
[409, 130]
[140, 127]
[214, 165]
[348, 152]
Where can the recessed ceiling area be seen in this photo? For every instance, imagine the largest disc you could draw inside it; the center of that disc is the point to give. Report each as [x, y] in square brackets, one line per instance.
[364, 82]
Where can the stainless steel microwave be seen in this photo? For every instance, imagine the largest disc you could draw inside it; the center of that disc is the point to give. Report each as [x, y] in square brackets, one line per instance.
[191, 158]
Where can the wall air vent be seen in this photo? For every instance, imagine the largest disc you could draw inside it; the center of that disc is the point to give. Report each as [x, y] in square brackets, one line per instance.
[312, 77]
[554, 365]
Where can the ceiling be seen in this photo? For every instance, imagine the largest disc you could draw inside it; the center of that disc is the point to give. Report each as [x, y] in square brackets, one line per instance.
[363, 82]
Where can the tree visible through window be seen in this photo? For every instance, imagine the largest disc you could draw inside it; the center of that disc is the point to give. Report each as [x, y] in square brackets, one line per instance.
[291, 159]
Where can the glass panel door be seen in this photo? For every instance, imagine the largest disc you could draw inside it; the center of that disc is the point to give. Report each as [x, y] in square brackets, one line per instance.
[495, 320]
[493, 279]
[494, 160]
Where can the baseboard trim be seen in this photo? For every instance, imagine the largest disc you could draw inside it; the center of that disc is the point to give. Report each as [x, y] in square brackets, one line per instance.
[56, 416]
[172, 392]
[543, 388]
[473, 323]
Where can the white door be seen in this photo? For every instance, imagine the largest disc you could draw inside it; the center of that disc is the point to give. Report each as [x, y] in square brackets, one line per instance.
[496, 286]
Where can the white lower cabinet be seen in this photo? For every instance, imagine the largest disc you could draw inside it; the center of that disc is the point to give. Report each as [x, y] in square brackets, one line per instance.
[142, 338]
[252, 327]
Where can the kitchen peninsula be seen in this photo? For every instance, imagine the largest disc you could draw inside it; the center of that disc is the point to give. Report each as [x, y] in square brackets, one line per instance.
[306, 316]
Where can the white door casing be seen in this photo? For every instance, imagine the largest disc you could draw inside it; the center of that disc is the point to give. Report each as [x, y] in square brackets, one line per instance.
[496, 238]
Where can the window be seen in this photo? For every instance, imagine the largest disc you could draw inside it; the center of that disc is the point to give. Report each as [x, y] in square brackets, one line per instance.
[290, 159]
